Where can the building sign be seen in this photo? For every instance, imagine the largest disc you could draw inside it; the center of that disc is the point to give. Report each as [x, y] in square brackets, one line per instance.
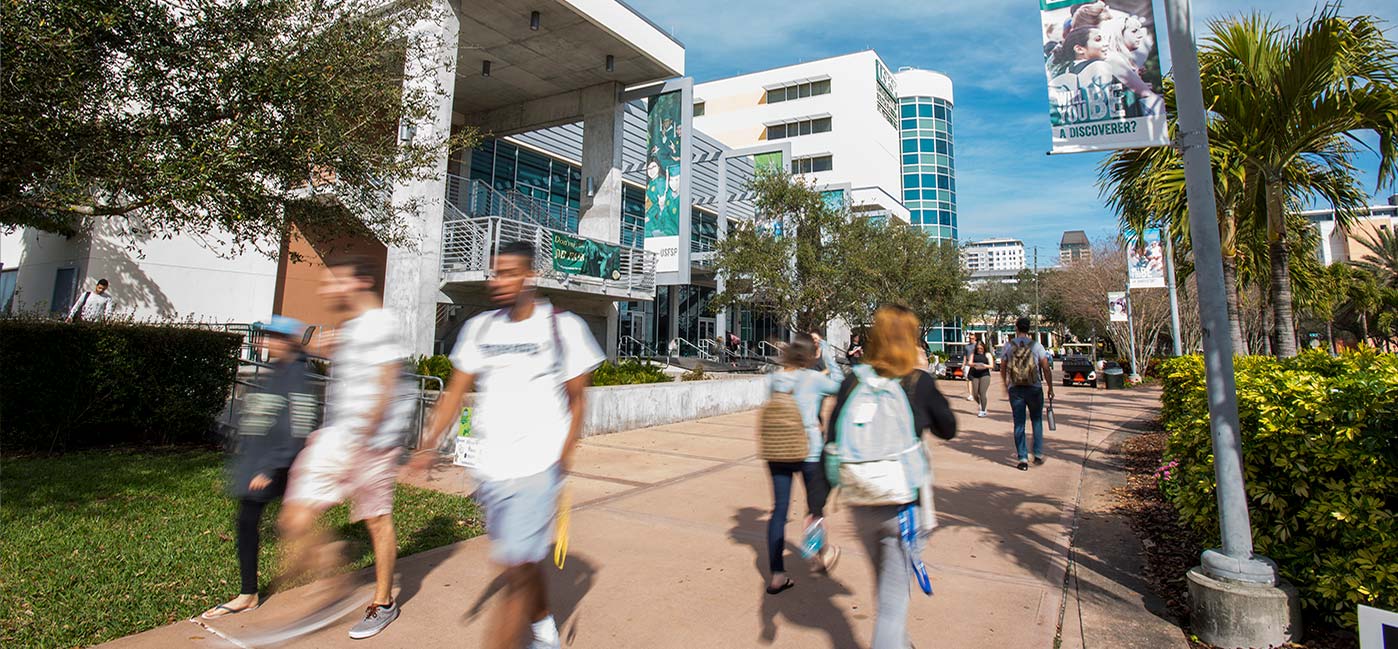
[886, 94]
[664, 180]
[1146, 263]
[1104, 82]
[1116, 306]
[770, 161]
[578, 256]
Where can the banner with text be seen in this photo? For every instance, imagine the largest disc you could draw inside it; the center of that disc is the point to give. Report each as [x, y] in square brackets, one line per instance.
[1146, 263]
[663, 181]
[1104, 81]
[578, 256]
[1116, 306]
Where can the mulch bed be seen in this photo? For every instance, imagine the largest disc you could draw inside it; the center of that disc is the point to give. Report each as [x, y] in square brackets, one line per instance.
[1171, 549]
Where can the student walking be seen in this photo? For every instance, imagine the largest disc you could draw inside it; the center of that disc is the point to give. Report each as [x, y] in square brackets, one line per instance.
[93, 306]
[277, 416]
[790, 440]
[529, 365]
[354, 456]
[967, 352]
[979, 362]
[887, 404]
[1024, 369]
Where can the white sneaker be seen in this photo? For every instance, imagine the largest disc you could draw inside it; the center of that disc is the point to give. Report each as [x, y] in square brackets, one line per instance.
[982, 414]
[970, 398]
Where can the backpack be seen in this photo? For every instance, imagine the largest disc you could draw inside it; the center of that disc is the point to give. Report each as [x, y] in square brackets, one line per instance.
[877, 457]
[1023, 368]
[781, 433]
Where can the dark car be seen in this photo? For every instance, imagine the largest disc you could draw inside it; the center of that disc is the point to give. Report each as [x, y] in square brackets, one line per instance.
[955, 367]
[1077, 370]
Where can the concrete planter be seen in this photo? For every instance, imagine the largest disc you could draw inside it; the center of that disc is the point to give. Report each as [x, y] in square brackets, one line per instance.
[625, 407]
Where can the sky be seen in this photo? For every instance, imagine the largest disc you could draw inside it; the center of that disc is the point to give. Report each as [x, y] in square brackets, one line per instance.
[992, 50]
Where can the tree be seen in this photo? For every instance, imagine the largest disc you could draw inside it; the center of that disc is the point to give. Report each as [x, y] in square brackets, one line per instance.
[1332, 292]
[210, 117]
[1080, 292]
[889, 262]
[998, 303]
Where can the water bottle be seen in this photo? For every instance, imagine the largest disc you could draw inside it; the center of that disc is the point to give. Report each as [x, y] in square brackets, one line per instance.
[814, 538]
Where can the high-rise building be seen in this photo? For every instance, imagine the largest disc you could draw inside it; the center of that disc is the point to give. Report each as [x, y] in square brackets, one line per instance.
[994, 257]
[1074, 246]
[1340, 245]
[928, 153]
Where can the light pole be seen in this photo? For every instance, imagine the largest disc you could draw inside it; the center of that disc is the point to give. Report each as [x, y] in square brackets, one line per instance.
[1234, 598]
[1174, 294]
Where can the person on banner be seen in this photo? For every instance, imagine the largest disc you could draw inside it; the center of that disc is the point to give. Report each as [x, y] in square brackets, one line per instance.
[277, 416]
[875, 455]
[790, 440]
[1024, 369]
[529, 365]
[1091, 84]
[355, 455]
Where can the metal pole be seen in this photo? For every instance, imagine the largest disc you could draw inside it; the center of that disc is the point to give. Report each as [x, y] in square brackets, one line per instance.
[1174, 293]
[1036, 294]
[1236, 560]
[1131, 336]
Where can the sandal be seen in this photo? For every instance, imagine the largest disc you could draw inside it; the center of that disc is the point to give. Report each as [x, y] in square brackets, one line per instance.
[227, 611]
[773, 591]
[830, 558]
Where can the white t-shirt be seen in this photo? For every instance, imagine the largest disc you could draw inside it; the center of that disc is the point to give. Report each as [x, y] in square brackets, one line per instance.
[364, 346]
[521, 412]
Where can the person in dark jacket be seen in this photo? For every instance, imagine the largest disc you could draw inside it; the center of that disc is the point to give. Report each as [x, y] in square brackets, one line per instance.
[277, 416]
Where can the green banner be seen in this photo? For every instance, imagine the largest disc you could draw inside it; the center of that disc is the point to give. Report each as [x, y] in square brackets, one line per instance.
[578, 256]
[1046, 5]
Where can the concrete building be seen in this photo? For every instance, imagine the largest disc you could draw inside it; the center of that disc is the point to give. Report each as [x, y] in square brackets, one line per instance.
[1073, 247]
[1341, 245]
[557, 84]
[1001, 256]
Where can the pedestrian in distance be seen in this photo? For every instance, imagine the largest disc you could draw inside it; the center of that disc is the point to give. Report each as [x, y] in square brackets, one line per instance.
[790, 440]
[1024, 369]
[529, 365]
[967, 352]
[92, 306]
[979, 362]
[876, 456]
[277, 416]
[355, 455]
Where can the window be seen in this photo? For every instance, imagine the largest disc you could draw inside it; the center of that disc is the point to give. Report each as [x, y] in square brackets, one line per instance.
[698, 109]
[802, 127]
[812, 164]
[798, 91]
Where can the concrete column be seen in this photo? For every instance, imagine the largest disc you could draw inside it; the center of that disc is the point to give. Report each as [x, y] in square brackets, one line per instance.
[613, 331]
[412, 279]
[603, 121]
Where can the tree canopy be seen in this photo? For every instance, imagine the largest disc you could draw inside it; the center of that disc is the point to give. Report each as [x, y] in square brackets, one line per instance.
[208, 117]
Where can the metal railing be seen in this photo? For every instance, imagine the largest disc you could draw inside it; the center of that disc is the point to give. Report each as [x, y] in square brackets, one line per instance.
[768, 350]
[699, 352]
[469, 244]
[478, 198]
[630, 347]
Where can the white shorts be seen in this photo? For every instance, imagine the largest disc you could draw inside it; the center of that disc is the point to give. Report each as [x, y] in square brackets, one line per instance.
[328, 472]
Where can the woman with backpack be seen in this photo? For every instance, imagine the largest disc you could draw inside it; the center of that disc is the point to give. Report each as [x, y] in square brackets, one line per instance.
[789, 438]
[876, 457]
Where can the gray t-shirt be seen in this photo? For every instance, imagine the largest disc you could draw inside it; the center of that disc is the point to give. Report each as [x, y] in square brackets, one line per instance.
[1040, 355]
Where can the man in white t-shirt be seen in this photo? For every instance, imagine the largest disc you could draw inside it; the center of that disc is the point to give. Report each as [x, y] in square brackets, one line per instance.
[354, 456]
[92, 306]
[528, 365]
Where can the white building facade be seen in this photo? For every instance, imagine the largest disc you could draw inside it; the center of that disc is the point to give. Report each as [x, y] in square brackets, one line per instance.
[1340, 245]
[994, 256]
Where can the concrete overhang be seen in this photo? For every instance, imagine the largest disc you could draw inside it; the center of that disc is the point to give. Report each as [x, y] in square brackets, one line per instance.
[567, 54]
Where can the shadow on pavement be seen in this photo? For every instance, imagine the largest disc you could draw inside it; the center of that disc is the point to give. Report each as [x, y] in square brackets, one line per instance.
[566, 590]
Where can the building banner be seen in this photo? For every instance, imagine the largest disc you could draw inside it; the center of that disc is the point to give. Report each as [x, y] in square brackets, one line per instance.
[578, 256]
[663, 179]
[1104, 81]
[1146, 264]
[1116, 306]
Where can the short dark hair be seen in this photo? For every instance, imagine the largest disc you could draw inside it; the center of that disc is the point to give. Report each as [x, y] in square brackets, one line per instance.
[1022, 325]
[102, 282]
[362, 266]
[517, 249]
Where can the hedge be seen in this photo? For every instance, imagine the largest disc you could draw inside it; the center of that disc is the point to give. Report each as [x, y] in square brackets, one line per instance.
[629, 372]
[1320, 454]
[67, 386]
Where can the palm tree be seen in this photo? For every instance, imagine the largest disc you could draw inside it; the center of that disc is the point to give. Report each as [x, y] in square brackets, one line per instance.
[1289, 105]
[1382, 259]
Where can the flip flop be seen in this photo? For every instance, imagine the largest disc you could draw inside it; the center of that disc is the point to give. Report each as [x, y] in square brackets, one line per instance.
[828, 564]
[773, 591]
[230, 611]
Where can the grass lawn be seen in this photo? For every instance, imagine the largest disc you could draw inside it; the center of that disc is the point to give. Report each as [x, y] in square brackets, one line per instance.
[101, 544]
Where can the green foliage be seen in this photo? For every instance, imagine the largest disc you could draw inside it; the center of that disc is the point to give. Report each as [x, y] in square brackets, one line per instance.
[1320, 451]
[87, 384]
[438, 365]
[628, 372]
[102, 544]
[696, 374]
[210, 117]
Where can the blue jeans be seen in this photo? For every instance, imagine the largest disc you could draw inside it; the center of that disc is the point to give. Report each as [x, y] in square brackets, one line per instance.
[1030, 398]
[813, 476]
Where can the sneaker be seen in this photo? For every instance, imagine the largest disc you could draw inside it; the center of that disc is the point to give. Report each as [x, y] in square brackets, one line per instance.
[1038, 460]
[981, 414]
[970, 398]
[1023, 466]
[376, 619]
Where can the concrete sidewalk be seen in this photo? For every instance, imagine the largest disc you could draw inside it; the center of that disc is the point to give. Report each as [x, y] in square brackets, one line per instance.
[668, 536]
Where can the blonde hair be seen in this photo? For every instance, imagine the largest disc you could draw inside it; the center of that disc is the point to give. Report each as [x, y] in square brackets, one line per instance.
[892, 349]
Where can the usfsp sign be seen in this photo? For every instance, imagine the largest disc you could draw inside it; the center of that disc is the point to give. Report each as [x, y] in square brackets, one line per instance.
[1378, 629]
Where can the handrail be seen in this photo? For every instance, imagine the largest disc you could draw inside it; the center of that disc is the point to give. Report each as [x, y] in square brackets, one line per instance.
[699, 351]
[629, 343]
[468, 244]
[776, 351]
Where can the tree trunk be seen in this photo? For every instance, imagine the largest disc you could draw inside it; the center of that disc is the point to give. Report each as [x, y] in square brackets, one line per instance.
[1364, 326]
[1283, 322]
[1330, 334]
[1235, 318]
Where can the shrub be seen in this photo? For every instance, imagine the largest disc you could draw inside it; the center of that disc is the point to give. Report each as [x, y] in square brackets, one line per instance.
[628, 372]
[85, 384]
[1320, 454]
[696, 374]
[438, 365]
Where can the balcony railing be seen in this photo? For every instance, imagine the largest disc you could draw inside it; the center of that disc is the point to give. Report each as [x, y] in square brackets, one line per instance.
[469, 245]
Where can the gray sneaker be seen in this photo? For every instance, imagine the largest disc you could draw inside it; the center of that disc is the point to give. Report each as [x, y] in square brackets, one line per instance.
[376, 619]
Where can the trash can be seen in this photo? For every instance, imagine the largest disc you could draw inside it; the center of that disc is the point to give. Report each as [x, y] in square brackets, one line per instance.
[1115, 377]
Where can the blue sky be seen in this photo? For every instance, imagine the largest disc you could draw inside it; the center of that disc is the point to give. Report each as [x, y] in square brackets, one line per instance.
[992, 49]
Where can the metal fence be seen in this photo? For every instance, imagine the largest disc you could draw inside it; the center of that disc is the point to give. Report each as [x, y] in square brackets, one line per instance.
[470, 245]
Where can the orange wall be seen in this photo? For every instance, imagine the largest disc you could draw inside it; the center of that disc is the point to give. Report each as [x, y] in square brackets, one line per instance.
[298, 281]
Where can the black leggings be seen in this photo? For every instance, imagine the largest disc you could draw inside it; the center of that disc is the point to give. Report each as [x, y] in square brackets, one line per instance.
[249, 540]
[813, 477]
